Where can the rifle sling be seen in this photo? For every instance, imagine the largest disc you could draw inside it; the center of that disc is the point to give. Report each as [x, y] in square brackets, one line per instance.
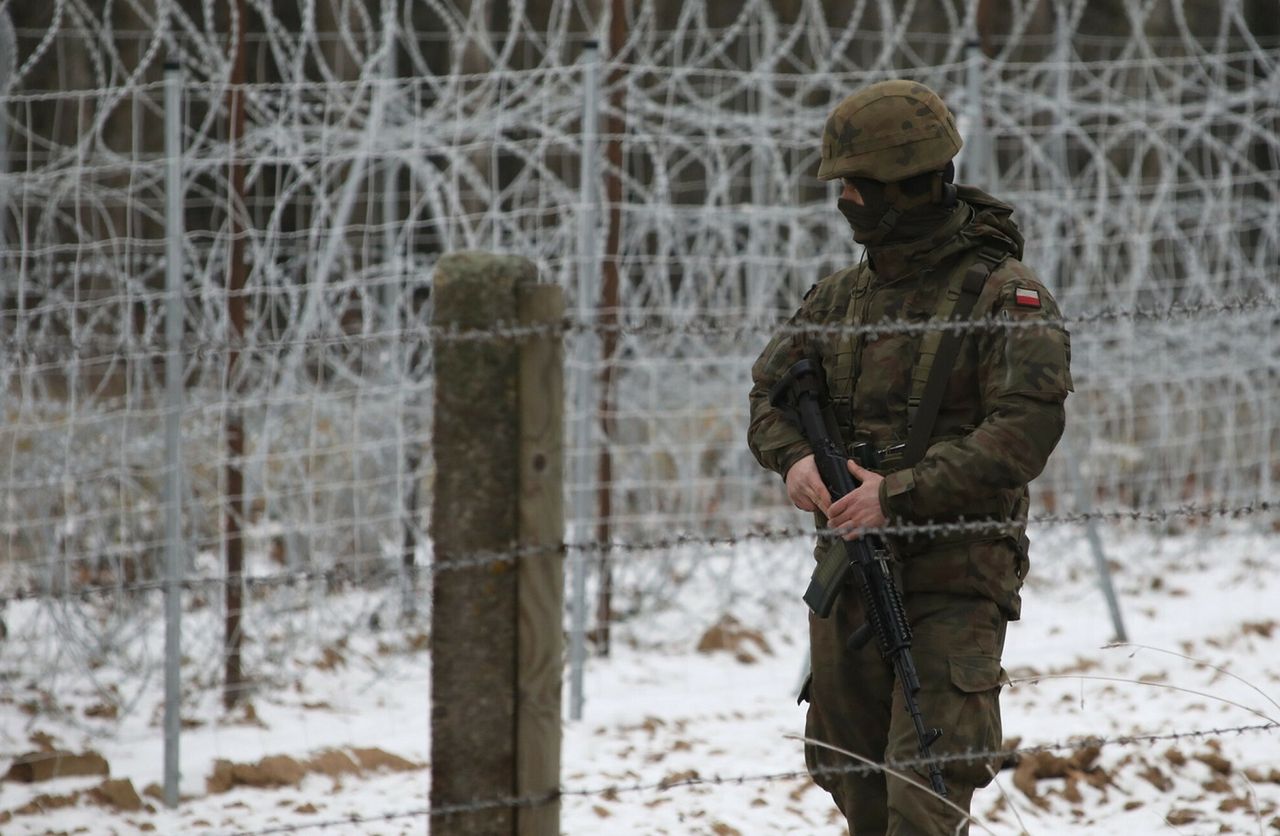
[939, 350]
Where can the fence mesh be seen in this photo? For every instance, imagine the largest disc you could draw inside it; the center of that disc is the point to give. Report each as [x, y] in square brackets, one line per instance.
[1140, 143]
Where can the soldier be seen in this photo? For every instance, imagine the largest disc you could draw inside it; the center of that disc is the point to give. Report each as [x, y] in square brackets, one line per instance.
[933, 251]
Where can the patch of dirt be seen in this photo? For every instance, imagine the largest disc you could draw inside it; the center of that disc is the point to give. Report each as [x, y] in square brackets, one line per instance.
[34, 767]
[377, 759]
[731, 635]
[119, 794]
[284, 771]
[1076, 768]
[44, 802]
[271, 771]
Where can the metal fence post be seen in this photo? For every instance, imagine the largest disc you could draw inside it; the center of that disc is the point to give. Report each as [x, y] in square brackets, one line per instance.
[584, 462]
[1105, 583]
[8, 65]
[977, 154]
[173, 428]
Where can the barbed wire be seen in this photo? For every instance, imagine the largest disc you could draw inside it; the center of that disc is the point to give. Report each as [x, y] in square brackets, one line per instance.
[382, 572]
[859, 768]
[705, 326]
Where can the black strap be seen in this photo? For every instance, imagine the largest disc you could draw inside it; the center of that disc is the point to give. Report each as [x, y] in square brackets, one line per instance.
[944, 361]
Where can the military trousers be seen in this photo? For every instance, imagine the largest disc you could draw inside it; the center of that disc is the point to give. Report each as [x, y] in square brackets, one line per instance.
[856, 703]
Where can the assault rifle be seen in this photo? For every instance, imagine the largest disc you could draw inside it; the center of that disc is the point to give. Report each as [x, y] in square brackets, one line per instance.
[801, 396]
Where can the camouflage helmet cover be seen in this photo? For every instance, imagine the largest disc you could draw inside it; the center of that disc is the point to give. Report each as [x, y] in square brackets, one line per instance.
[888, 131]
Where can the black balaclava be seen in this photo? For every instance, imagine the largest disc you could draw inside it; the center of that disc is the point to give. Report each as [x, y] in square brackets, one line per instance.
[903, 211]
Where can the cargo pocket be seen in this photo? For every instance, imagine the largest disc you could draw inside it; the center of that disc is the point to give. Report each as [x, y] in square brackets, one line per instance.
[975, 674]
[977, 723]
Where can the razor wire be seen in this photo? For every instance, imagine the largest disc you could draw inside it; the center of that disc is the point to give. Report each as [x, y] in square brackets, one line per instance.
[1143, 168]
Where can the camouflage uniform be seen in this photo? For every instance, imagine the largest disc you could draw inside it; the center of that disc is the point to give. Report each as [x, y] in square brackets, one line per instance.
[1001, 416]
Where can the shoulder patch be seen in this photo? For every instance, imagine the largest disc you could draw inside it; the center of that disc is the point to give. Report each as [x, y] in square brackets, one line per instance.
[1027, 297]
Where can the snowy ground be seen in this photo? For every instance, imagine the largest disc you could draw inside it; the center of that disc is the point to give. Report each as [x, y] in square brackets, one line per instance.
[718, 726]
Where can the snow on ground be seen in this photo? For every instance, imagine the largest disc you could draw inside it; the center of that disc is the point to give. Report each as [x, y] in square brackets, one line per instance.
[717, 727]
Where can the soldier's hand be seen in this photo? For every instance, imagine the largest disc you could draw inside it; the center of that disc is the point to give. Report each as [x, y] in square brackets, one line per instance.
[805, 488]
[859, 509]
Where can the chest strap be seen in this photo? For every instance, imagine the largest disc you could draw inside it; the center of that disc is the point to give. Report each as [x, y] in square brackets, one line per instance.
[939, 348]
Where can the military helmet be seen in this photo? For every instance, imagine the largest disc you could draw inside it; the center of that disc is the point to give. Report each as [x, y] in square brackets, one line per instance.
[888, 131]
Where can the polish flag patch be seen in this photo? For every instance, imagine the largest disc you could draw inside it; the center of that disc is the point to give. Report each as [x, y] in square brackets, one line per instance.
[1026, 297]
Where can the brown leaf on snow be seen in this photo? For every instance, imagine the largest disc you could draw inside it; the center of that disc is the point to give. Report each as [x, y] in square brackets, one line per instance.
[330, 659]
[1217, 785]
[1234, 805]
[103, 710]
[1156, 778]
[1216, 762]
[679, 778]
[650, 724]
[1080, 665]
[1178, 817]
[1259, 628]
[1257, 776]
[731, 635]
[722, 829]
[1175, 757]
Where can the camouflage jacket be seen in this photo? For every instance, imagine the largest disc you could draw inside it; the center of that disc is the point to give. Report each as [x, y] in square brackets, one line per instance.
[1002, 411]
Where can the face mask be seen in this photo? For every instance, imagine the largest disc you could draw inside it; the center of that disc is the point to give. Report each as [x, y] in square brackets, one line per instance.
[886, 215]
[866, 219]
[863, 220]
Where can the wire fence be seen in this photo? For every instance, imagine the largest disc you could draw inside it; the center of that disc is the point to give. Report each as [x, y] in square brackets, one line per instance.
[377, 573]
[356, 150]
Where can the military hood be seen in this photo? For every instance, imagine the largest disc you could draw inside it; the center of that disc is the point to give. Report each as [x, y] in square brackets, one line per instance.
[978, 220]
[992, 222]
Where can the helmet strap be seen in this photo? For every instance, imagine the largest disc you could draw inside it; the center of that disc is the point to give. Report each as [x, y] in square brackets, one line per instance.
[887, 222]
